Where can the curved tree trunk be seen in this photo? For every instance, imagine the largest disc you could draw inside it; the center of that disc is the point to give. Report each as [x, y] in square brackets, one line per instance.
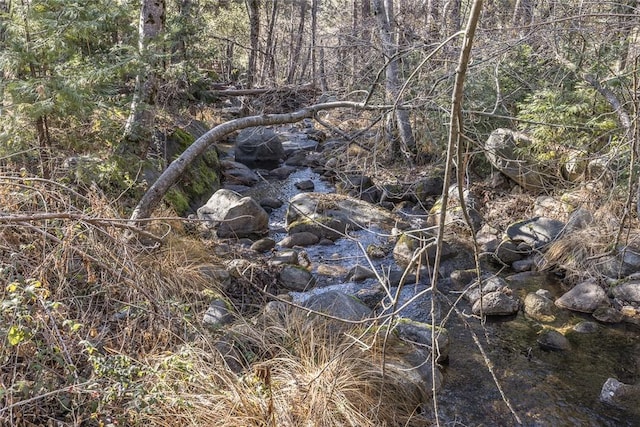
[170, 176]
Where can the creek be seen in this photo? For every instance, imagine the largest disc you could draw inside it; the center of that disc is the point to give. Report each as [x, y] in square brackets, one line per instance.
[544, 388]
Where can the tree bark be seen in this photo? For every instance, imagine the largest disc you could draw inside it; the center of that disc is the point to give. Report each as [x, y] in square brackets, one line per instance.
[392, 81]
[156, 192]
[269, 63]
[295, 56]
[138, 129]
[254, 36]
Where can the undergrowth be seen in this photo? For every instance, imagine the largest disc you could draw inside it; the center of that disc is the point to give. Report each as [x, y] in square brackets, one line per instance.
[101, 329]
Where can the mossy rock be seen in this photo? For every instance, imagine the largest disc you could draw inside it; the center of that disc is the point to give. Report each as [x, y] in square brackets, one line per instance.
[200, 180]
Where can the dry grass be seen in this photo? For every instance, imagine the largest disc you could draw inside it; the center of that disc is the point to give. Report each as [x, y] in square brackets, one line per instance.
[99, 329]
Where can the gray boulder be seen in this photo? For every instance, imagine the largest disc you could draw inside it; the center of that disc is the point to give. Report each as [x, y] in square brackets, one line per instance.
[217, 314]
[234, 215]
[538, 307]
[621, 396]
[304, 238]
[624, 263]
[505, 149]
[259, 147]
[627, 292]
[296, 278]
[550, 339]
[496, 304]
[585, 297]
[338, 304]
[330, 215]
[238, 174]
[535, 232]
[455, 215]
[489, 284]
[422, 334]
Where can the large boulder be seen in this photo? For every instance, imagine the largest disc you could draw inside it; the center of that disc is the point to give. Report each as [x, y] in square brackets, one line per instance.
[623, 263]
[236, 173]
[455, 214]
[506, 151]
[621, 396]
[536, 232]
[233, 215]
[259, 147]
[331, 215]
[339, 305]
[585, 297]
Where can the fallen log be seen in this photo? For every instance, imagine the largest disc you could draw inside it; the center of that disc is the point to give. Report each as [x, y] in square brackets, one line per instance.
[174, 171]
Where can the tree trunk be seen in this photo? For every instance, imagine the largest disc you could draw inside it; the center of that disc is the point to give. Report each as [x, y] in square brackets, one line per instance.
[269, 64]
[139, 126]
[154, 195]
[314, 41]
[392, 81]
[254, 25]
[295, 56]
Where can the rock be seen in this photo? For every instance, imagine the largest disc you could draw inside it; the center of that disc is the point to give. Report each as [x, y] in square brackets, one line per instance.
[234, 215]
[282, 172]
[523, 265]
[462, 278]
[578, 220]
[496, 304]
[408, 245]
[394, 277]
[395, 193]
[360, 273]
[217, 273]
[259, 147]
[505, 151]
[585, 297]
[359, 183]
[607, 315]
[306, 185]
[303, 238]
[329, 215]
[410, 307]
[535, 232]
[454, 210]
[507, 252]
[375, 251]
[624, 263]
[539, 307]
[628, 292]
[370, 195]
[217, 314]
[426, 188]
[489, 284]
[422, 334]
[550, 339]
[296, 278]
[284, 257]
[263, 245]
[586, 327]
[338, 304]
[238, 174]
[621, 396]
[272, 203]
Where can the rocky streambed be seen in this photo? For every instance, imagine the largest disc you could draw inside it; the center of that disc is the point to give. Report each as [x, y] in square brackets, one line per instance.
[561, 353]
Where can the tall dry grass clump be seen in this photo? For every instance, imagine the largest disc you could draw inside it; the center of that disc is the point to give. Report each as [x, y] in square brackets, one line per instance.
[101, 329]
[306, 375]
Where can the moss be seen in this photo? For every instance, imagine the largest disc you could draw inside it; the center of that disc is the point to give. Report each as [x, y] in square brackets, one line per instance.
[200, 180]
[178, 200]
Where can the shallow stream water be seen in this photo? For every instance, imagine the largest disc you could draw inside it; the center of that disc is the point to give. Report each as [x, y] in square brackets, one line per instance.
[544, 388]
